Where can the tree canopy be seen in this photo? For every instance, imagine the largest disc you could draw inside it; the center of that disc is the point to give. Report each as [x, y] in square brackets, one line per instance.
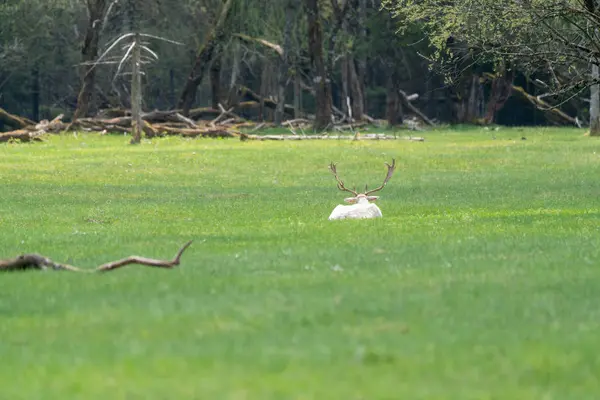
[554, 40]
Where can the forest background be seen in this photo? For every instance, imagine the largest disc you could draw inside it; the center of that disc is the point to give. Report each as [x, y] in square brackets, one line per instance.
[465, 61]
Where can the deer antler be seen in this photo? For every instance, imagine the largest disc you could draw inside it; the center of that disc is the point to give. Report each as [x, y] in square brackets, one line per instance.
[340, 182]
[391, 169]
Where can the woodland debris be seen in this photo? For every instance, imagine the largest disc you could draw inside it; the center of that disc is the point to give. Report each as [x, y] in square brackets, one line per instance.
[27, 262]
[224, 123]
[552, 112]
[407, 102]
[270, 103]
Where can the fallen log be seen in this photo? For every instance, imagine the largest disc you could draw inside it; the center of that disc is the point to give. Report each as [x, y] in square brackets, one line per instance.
[14, 120]
[22, 135]
[158, 116]
[371, 136]
[28, 262]
[206, 132]
[246, 91]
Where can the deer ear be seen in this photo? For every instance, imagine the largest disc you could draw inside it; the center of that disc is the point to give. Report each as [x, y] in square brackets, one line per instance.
[350, 200]
[372, 198]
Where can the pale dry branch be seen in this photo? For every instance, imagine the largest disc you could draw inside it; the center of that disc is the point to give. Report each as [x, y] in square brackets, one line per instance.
[27, 262]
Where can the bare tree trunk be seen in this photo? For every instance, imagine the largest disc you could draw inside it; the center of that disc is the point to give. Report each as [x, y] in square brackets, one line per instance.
[284, 66]
[203, 58]
[595, 103]
[215, 81]
[136, 92]
[89, 53]
[322, 87]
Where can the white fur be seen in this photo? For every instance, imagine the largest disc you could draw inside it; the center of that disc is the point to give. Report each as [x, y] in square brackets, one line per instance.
[360, 208]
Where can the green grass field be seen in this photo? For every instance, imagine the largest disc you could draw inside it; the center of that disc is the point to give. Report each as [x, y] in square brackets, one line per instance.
[481, 281]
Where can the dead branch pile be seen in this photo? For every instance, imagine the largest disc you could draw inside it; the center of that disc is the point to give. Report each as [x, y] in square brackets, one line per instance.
[200, 122]
[27, 262]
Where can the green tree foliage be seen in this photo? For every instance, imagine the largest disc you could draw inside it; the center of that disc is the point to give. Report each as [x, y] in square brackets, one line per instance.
[556, 38]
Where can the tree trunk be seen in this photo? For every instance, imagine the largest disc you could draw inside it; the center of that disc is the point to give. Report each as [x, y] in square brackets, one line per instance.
[89, 53]
[136, 92]
[315, 48]
[266, 90]
[500, 92]
[232, 95]
[203, 58]
[595, 103]
[362, 59]
[474, 100]
[356, 93]
[215, 81]
[284, 65]
[297, 94]
[467, 98]
[35, 93]
[172, 88]
[345, 74]
[393, 104]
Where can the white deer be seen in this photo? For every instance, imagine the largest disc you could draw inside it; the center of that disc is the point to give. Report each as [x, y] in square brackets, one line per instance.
[361, 206]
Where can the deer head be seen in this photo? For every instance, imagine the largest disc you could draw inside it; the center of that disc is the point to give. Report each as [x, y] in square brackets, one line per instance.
[363, 197]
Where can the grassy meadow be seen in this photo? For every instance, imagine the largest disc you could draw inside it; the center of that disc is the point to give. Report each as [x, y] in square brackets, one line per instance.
[481, 281]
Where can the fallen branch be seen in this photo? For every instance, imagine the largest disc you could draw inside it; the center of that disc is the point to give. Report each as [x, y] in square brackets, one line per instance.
[406, 99]
[546, 107]
[28, 262]
[190, 123]
[273, 46]
[246, 91]
[296, 121]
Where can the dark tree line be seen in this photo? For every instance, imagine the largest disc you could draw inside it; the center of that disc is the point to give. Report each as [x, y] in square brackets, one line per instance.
[269, 60]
